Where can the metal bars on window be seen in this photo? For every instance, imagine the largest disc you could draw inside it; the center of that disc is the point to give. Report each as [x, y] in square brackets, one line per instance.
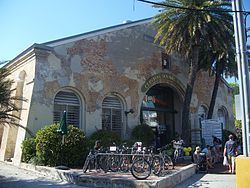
[66, 100]
[112, 114]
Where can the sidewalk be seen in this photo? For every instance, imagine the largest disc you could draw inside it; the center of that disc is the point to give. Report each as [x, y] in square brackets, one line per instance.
[217, 177]
[14, 177]
[181, 177]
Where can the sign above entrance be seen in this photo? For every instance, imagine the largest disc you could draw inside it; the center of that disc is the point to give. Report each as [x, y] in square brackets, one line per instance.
[162, 78]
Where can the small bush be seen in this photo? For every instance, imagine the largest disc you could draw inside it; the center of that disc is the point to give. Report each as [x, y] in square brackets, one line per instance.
[75, 147]
[144, 134]
[106, 137]
[50, 150]
[28, 149]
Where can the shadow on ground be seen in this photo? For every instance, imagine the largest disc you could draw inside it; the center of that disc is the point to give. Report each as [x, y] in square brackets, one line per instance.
[218, 169]
[31, 183]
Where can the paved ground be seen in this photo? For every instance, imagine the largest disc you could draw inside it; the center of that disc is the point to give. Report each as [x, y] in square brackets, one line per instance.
[217, 177]
[14, 177]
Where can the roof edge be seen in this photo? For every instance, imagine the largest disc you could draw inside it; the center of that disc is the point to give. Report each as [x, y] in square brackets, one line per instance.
[34, 46]
[95, 32]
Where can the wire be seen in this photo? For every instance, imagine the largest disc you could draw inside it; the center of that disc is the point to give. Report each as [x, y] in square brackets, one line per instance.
[194, 9]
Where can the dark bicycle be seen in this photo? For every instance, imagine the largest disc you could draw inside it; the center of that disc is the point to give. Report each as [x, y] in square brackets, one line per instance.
[149, 162]
[95, 161]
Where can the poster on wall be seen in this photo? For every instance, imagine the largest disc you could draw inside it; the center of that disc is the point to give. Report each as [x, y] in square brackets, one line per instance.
[209, 128]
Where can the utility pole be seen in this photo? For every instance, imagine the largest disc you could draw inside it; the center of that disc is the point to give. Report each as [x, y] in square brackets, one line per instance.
[243, 74]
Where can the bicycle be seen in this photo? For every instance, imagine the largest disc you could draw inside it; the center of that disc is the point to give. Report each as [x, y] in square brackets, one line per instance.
[149, 162]
[98, 161]
[112, 158]
[140, 168]
[161, 161]
[178, 152]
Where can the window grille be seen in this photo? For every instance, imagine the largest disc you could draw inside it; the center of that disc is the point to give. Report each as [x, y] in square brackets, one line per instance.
[112, 115]
[66, 100]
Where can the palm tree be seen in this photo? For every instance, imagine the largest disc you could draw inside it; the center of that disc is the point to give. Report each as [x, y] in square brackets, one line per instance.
[185, 30]
[8, 102]
[224, 64]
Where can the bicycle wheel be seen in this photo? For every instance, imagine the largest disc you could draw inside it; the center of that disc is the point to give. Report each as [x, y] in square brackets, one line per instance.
[168, 163]
[114, 163]
[156, 165]
[176, 155]
[141, 169]
[125, 163]
[86, 165]
[103, 163]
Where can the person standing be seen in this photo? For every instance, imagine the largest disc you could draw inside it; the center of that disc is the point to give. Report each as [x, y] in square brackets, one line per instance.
[230, 151]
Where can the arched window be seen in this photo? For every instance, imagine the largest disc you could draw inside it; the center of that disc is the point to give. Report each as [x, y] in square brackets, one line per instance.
[112, 114]
[67, 100]
[202, 112]
[222, 116]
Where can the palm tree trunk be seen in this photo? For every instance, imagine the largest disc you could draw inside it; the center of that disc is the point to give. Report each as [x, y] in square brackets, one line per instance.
[219, 70]
[193, 69]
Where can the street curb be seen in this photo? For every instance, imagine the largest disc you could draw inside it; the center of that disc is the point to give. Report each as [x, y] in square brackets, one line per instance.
[77, 177]
[63, 175]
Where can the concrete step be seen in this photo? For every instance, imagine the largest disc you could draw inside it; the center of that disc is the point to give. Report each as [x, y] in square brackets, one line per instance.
[116, 180]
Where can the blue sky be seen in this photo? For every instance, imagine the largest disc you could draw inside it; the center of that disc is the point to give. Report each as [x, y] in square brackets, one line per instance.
[24, 22]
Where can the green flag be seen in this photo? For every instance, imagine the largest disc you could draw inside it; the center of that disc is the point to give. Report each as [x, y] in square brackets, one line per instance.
[63, 124]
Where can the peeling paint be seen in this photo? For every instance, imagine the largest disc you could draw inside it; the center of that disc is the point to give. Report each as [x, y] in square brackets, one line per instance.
[75, 64]
[95, 85]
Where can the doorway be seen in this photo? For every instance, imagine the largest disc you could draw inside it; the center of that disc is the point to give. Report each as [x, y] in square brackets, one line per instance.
[160, 110]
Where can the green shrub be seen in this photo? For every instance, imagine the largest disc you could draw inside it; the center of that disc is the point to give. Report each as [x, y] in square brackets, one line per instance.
[28, 149]
[144, 134]
[50, 150]
[107, 138]
[75, 147]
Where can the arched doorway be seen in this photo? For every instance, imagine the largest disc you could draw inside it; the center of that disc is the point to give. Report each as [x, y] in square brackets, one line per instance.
[161, 110]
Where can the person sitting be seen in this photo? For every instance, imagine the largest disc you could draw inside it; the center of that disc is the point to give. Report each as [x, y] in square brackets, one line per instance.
[196, 154]
[217, 147]
[208, 152]
[216, 141]
[97, 145]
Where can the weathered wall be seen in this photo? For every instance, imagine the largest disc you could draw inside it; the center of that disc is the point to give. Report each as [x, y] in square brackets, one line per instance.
[117, 62]
[22, 73]
[202, 96]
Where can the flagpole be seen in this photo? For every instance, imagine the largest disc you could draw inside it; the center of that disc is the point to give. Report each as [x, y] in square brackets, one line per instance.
[63, 131]
[243, 74]
[63, 137]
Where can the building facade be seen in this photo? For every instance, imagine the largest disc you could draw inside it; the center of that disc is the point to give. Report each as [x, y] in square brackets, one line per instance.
[114, 79]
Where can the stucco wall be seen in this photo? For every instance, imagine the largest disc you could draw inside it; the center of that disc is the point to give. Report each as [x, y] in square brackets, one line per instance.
[22, 73]
[202, 95]
[117, 62]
